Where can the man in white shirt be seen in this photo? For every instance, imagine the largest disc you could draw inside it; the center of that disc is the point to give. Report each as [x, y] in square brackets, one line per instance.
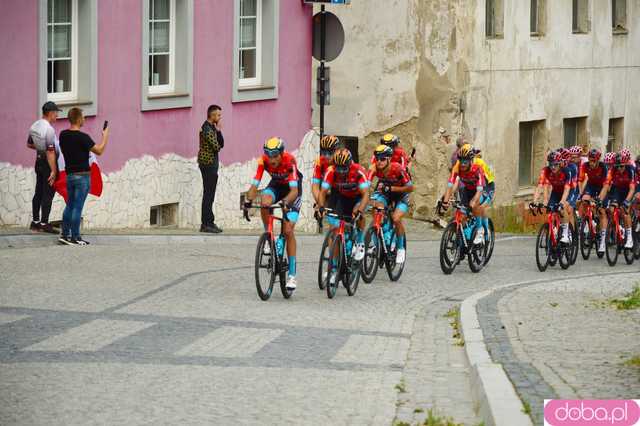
[42, 139]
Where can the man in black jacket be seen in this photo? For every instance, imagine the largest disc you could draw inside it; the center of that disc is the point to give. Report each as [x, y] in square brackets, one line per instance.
[211, 142]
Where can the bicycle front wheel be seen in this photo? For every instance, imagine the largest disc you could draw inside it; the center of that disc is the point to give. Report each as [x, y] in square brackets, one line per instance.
[542, 248]
[324, 261]
[334, 267]
[586, 240]
[371, 255]
[449, 249]
[611, 244]
[490, 242]
[395, 269]
[265, 266]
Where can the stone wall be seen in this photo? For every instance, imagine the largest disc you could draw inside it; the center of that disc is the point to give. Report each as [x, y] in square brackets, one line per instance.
[144, 182]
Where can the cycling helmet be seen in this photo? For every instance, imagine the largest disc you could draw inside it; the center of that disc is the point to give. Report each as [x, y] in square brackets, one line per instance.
[554, 157]
[466, 152]
[565, 153]
[610, 158]
[342, 159]
[329, 143]
[575, 150]
[390, 140]
[383, 151]
[273, 147]
[625, 155]
[594, 154]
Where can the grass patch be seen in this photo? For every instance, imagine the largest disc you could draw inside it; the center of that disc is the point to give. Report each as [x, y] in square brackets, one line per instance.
[434, 419]
[554, 304]
[401, 387]
[526, 408]
[454, 321]
[633, 362]
[631, 301]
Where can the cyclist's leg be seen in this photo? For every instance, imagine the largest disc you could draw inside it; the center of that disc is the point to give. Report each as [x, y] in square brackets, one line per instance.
[289, 231]
[268, 196]
[401, 208]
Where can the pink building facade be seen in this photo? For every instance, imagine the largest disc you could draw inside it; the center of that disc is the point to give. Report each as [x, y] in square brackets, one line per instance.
[152, 67]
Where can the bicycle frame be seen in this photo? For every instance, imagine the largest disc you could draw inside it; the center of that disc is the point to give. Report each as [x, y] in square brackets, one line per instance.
[615, 217]
[378, 219]
[588, 213]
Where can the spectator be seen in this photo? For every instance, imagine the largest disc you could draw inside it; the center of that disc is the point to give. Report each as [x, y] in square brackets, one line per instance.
[42, 138]
[75, 146]
[211, 142]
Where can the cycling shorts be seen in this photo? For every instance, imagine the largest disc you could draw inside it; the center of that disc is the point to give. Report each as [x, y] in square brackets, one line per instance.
[279, 192]
[617, 195]
[592, 190]
[398, 199]
[343, 206]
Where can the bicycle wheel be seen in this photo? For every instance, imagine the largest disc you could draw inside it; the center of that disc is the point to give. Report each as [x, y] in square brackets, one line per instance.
[586, 240]
[394, 270]
[573, 247]
[449, 249]
[351, 277]
[565, 254]
[542, 248]
[283, 269]
[491, 241]
[334, 267]
[371, 255]
[324, 260]
[265, 267]
[611, 244]
[476, 253]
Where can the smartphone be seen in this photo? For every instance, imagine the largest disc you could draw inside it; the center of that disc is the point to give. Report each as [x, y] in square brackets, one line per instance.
[105, 125]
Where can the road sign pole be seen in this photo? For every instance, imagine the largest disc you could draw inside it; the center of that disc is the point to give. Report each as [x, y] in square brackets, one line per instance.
[323, 36]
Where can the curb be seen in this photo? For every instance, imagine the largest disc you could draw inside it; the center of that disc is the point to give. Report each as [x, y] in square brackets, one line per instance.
[496, 398]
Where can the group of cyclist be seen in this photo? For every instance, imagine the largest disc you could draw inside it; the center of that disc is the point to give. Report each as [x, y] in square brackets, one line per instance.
[570, 180]
[338, 183]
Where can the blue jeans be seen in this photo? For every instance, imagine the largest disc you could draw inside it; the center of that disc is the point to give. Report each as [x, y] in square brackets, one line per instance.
[77, 189]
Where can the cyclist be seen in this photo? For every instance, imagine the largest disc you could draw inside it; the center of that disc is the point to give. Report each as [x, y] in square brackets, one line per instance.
[473, 181]
[394, 186]
[619, 188]
[328, 146]
[592, 176]
[399, 155]
[557, 179]
[285, 184]
[351, 186]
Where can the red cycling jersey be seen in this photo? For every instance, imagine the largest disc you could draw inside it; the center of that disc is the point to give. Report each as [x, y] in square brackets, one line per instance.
[285, 173]
[621, 179]
[348, 185]
[595, 176]
[473, 178]
[558, 181]
[399, 156]
[395, 176]
[320, 168]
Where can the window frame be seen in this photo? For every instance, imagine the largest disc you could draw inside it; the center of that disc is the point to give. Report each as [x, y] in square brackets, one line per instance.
[67, 96]
[491, 19]
[576, 21]
[530, 128]
[257, 80]
[619, 26]
[164, 88]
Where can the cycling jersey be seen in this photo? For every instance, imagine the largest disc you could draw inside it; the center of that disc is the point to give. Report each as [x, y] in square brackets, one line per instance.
[574, 170]
[285, 173]
[395, 176]
[399, 156]
[348, 185]
[595, 176]
[487, 169]
[621, 179]
[558, 181]
[319, 169]
[473, 178]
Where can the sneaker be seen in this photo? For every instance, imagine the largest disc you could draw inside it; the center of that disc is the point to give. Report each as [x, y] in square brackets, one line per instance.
[216, 228]
[208, 229]
[46, 227]
[629, 242]
[400, 256]
[80, 242]
[66, 240]
[479, 239]
[266, 250]
[359, 252]
[291, 283]
[35, 227]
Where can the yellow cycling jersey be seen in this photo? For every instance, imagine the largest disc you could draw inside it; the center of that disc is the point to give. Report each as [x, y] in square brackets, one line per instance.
[488, 170]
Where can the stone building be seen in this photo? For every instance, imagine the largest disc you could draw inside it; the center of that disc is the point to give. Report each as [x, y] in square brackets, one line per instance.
[516, 77]
[152, 67]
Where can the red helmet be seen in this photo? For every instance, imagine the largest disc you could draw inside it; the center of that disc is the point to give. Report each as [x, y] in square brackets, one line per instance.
[625, 156]
[610, 158]
[575, 150]
[594, 154]
[554, 157]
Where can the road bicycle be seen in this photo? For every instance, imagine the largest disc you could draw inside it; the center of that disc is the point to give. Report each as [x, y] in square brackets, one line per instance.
[616, 237]
[457, 241]
[549, 248]
[271, 260]
[380, 243]
[589, 234]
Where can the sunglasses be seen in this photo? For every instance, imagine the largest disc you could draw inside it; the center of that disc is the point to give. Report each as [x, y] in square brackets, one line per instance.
[271, 153]
[465, 162]
[554, 165]
[343, 170]
[381, 158]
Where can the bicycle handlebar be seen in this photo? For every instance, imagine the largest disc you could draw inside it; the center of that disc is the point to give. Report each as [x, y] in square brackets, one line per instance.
[245, 209]
[348, 219]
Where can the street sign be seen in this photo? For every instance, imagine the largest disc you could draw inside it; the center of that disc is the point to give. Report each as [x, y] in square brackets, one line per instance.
[334, 37]
[327, 1]
[323, 86]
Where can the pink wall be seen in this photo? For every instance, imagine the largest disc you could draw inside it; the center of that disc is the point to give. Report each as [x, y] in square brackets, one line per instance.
[135, 133]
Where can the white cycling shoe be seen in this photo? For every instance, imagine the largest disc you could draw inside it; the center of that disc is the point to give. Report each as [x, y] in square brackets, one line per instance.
[629, 243]
[266, 250]
[291, 283]
[401, 256]
[479, 239]
[359, 255]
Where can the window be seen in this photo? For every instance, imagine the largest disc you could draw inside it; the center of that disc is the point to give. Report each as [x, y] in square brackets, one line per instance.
[619, 16]
[255, 53]
[162, 18]
[494, 18]
[615, 141]
[68, 62]
[581, 24]
[531, 151]
[537, 22]
[167, 54]
[575, 132]
[250, 47]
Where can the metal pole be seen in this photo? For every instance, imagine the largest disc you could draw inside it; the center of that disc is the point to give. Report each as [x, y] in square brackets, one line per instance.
[323, 36]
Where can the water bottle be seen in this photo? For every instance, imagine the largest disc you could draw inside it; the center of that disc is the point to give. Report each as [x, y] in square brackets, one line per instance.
[350, 248]
[280, 245]
[467, 231]
[386, 232]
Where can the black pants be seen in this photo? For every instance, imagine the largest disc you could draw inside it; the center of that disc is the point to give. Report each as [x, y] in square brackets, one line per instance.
[43, 197]
[209, 184]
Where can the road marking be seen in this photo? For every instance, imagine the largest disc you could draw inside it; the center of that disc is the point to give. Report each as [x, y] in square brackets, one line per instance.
[523, 237]
[373, 350]
[9, 318]
[231, 342]
[90, 337]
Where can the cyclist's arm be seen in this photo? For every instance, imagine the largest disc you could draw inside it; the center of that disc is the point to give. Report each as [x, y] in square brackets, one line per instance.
[632, 191]
[565, 194]
[607, 186]
[364, 192]
[327, 181]
[450, 185]
[316, 181]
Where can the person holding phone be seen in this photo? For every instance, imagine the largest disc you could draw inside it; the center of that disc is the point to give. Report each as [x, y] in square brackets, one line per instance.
[76, 146]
